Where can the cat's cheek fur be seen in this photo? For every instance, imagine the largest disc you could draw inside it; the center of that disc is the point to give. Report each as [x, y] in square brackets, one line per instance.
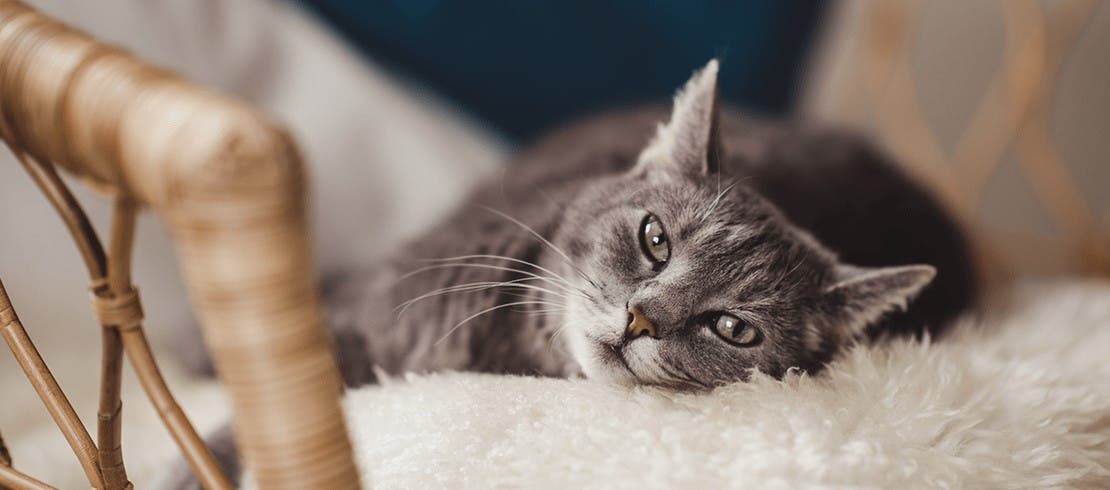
[586, 331]
[581, 349]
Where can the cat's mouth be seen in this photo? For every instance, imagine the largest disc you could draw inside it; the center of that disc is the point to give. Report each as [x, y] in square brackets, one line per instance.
[615, 351]
[613, 356]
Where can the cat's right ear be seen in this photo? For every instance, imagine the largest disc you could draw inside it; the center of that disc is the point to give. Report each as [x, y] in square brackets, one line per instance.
[689, 144]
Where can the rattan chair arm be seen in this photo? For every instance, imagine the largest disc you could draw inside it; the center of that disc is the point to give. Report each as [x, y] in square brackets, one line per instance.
[231, 188]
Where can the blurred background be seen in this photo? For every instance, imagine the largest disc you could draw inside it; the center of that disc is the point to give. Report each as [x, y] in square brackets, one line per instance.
[401, 107]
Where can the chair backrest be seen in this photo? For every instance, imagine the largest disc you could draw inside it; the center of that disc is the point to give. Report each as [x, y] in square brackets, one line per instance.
[230, 186]
[1007, 173]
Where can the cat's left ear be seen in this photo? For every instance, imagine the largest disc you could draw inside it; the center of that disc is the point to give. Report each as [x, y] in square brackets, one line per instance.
[862, 295]
[689, 144]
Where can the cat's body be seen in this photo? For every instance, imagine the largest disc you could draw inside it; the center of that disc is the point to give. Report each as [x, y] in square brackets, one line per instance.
[832, 183]
[557, 308]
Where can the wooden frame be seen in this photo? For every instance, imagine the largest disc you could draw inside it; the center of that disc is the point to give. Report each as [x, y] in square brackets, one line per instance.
[230, 186]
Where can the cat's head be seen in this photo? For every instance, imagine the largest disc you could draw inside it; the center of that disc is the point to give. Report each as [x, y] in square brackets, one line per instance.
[690, 281]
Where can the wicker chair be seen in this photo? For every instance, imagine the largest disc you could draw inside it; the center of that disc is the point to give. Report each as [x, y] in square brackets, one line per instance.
[871, 81]
[230, 186]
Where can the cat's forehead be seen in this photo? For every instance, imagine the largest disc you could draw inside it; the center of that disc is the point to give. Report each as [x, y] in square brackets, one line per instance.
[732, 238]
[723, 224]
[705, 212]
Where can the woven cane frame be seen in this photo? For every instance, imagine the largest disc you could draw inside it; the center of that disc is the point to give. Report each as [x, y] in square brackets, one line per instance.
[878, 89]
[230, 187]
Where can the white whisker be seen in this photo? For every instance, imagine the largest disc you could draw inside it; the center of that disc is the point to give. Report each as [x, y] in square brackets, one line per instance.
[492, 267]
[480, 313]
[552, 274]
[545, 241]
[474, 286]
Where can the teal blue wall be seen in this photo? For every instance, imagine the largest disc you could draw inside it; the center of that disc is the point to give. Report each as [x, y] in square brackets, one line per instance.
[524, 66]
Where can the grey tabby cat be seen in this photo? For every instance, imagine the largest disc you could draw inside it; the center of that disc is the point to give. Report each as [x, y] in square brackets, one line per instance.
[685, 255]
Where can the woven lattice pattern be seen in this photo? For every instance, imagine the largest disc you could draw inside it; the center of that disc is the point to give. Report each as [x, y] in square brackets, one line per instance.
[876, 85]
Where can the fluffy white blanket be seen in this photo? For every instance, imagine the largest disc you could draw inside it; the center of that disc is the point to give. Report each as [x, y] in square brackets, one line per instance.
[1021, 401]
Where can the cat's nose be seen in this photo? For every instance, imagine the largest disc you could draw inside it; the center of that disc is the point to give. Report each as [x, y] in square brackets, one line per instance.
[639, 324]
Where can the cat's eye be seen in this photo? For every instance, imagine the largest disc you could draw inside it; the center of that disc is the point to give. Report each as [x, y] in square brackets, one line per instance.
[735, 331]
[653, 240]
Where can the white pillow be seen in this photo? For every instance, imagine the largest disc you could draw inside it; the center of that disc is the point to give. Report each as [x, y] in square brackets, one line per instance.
[1017, 402]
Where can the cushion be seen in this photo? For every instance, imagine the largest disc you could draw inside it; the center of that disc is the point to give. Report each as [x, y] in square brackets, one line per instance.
[1020, 400]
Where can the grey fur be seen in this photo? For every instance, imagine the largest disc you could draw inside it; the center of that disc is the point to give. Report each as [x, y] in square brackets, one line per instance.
[747, 207]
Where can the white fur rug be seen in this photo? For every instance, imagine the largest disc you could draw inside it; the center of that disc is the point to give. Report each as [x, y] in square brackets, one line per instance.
[1021, 401]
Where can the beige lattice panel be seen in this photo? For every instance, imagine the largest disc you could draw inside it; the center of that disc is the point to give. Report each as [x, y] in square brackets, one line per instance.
[868, 75]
